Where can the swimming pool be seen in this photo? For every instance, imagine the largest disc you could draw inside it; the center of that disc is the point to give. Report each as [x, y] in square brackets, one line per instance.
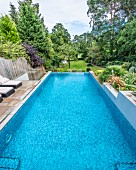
[68, 123]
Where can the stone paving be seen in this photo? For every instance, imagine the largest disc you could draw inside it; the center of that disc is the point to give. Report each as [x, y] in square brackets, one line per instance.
[10, 103]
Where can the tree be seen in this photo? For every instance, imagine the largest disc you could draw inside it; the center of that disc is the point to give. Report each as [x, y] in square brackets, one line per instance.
[8, 29]
[32, 30]
[13, 13]
[68, 52]
[126, 42]
[82, 44]
[10, 43]
[107, 18]
[60, 38]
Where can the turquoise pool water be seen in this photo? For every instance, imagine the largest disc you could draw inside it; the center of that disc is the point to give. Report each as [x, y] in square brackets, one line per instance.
[69, 123]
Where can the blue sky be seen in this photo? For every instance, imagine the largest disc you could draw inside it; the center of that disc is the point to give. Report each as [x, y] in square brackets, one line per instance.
[71, 13]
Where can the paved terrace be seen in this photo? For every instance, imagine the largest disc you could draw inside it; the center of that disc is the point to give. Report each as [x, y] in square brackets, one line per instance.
[10, 103]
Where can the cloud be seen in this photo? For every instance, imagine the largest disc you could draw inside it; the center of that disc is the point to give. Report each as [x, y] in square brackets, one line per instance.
[71, 13]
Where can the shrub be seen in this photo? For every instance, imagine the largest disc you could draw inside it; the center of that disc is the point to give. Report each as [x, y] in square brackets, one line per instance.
[103, 63]
[110, 63]
[59, 70]
[117, 63]
[74, 70]
[130, 78]
[69, 70]
[88, 69]
[126, 65]
[132, 69]
[10, 50]
[97, 72]
[114, 63]
[80, 70]
[116, 82]
[117, 70]
[108, 71]
[54, 69]
[47, 63]
[36, 61]
[89, 64]
[8, 29]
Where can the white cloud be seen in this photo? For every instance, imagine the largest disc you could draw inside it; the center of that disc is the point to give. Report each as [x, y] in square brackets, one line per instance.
[67, 12]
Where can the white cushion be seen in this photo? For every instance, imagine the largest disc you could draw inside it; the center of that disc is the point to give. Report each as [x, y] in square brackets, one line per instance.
[3, 80]
[4, 90]
[12, 82]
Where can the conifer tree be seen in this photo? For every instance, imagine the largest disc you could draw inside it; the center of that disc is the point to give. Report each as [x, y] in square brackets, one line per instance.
[32, 30]
[13, 13]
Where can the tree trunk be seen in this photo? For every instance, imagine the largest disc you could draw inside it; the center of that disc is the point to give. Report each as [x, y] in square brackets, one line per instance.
[68, 63]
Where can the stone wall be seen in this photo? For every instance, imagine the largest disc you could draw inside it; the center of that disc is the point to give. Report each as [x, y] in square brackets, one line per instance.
[14, 69]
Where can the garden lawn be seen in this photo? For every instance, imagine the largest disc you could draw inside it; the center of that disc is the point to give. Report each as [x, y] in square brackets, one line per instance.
[81, 65]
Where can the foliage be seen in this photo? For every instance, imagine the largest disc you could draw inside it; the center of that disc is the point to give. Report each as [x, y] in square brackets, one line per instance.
[109, 29]
[74, 70]
[82, 44]
[12, 51]
[126, 42]
[132, 69]
[98, 72]
[59, 36]
[97, 55]
[13, 13]
[8, 30]
[32, 30]
[61, 43]
[130, 78]
[126, 65]
[10, 43]
[36, 61]
[108, 71]
[67, 52]
[116, 82]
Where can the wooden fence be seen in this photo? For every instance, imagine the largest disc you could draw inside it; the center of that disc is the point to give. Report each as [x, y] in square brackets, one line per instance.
[14, 69]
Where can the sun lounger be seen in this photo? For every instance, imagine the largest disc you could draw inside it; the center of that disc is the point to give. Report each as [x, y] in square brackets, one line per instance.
[1, 99]
[5, 82]
[6, 91]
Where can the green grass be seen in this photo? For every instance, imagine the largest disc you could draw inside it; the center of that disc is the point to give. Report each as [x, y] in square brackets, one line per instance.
[81, 65]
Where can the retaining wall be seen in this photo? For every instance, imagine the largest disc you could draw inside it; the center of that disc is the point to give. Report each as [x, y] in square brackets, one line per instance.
[125, 101]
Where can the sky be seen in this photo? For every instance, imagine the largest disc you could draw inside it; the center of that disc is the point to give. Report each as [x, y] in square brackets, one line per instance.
[71, 13]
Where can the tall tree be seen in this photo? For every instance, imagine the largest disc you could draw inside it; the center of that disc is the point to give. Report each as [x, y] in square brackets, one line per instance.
[126, 42]
[32, 29]
[68, 52]
[59, 37]
[107, 18]
[82, 43]
[13, 13]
